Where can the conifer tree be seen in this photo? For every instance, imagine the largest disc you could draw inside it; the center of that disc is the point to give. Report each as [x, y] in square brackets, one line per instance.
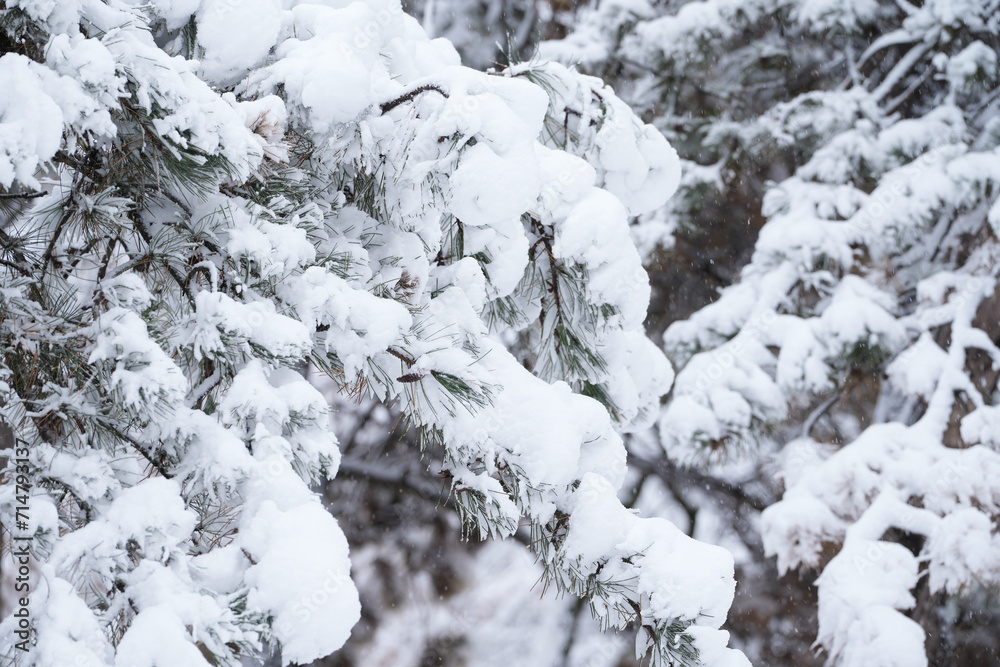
[200, 200]
[861, 338]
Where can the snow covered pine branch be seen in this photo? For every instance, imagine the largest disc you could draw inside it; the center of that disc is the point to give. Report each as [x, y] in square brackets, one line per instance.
[199, 199]
[862, 337]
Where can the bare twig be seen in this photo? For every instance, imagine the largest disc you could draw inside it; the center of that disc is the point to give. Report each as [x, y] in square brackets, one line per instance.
[694, 478]
[22, 195]
[386, 107]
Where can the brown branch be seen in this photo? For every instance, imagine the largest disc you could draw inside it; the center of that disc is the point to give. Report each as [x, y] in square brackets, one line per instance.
[141, 448]
[694, 479]
[22, 195]
[106, 260]
[47, 257]
[386, 107]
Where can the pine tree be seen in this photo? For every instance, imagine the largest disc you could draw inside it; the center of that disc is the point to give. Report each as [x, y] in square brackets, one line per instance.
[190, 220]
[861, 337]
[485, 32]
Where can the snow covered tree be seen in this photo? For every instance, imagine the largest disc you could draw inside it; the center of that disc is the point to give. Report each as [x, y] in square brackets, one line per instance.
[201, 201]
[861, 337]
[483, 31]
